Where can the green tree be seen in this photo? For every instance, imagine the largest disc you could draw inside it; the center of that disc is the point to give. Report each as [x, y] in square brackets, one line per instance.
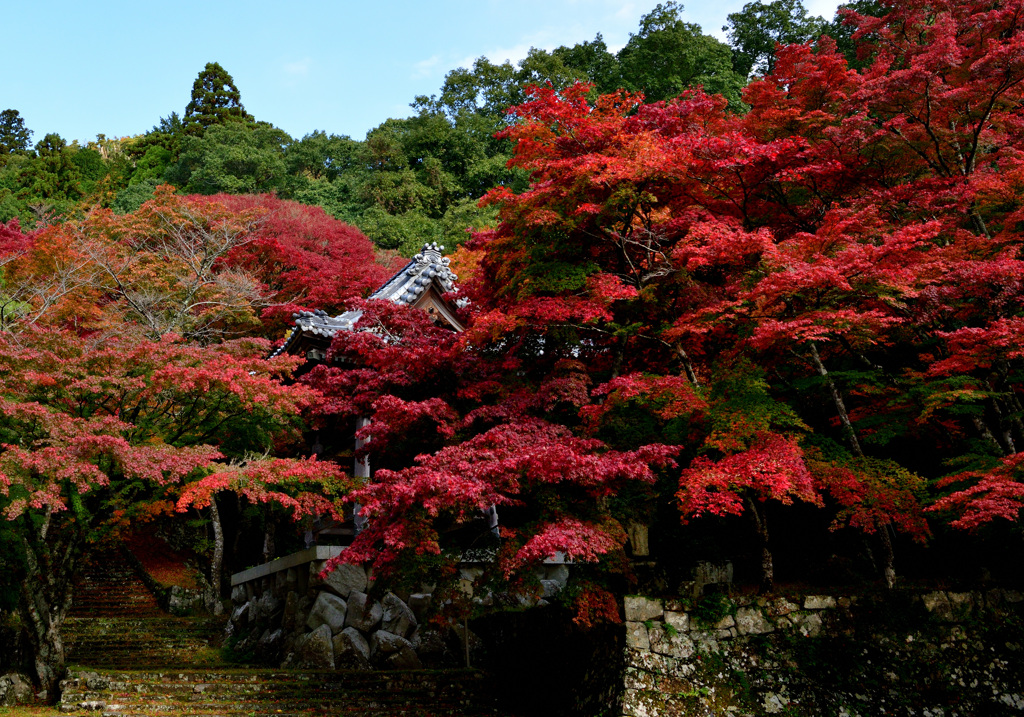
[405, 232]
[322, 156]
[215, 100]
[14, 136]
[325, 171]
[755, 30]
[48, 184]
[422, 176]
[591, 61]
[234, 158]
[158, 149]
[134, 195]
[12, 202]
[540, 67]
[666, 56]
[91, 167]
[488, 90]
[152, 165]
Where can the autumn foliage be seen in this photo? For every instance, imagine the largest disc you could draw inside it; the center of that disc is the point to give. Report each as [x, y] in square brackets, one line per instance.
[136, 383]
[816, 301]
[690, 317]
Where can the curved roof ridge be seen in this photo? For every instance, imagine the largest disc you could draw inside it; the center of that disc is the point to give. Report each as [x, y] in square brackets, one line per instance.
[428, 267]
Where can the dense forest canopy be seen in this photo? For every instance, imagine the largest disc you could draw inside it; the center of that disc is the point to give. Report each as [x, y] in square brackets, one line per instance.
[411, 179]
[719, 293]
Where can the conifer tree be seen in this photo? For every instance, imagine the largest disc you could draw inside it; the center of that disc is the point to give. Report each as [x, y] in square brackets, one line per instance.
[14, 135]
[215, 100]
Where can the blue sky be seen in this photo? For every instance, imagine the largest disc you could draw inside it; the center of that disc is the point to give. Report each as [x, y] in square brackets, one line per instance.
[80, 68]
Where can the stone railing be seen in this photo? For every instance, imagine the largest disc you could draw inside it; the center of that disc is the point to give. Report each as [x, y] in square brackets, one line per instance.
[290, 572]
[941, 652]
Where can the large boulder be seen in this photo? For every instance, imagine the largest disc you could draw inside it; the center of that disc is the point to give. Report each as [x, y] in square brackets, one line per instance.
[346, 579]
[248, 643]
[315, 650]
[384, 643]
[15, 689]
[240, 615]
[397, 618]
[404, 659]
[419, 603]
[268, 647]
[363, 613]
[238, 595]
[351, 649]
[641, 609]
[302, 610]
[265, 608]
[459, 636]
[327, 610]
[429, 644]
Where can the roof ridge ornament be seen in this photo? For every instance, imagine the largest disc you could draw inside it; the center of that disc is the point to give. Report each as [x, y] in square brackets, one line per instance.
[406, 287]
[427, 266]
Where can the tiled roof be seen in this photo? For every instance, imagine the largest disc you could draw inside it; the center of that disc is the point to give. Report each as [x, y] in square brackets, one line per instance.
[405, 287]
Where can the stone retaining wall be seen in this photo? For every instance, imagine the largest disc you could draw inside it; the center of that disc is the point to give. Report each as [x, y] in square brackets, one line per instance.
[933, 653]
[283, 614]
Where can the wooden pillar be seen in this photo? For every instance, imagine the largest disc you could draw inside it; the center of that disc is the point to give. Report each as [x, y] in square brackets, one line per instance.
[361, 470]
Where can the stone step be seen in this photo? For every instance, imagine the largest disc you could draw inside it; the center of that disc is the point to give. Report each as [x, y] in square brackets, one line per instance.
[164, 622]
[171, 640]
[110, 586]
[453, 693]
[133, 643]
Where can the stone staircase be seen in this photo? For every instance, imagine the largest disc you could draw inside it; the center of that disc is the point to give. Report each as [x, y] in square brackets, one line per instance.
[255, 693]
[116, 623]
[129, 657]
[111, 587]
[144, 643]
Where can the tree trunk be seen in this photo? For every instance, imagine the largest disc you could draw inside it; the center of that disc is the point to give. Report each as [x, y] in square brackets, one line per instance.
[44, 598]
[620, 355]
[981, 427]
[979, 223]
[44, 634]
[684, 359]
[236, 542]
[889, 569]
[361, 469]
[49, 661]
[268, 542]
[1005, 426]
[837, 399]
[767, 563]
[217, 562]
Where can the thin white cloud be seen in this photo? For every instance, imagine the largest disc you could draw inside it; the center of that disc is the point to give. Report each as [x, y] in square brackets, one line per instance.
[295, 74]
[298, 68]
[427, 68]
[626, 12]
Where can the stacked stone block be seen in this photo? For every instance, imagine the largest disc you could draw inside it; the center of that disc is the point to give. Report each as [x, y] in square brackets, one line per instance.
[952, 646]
[293, 618]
